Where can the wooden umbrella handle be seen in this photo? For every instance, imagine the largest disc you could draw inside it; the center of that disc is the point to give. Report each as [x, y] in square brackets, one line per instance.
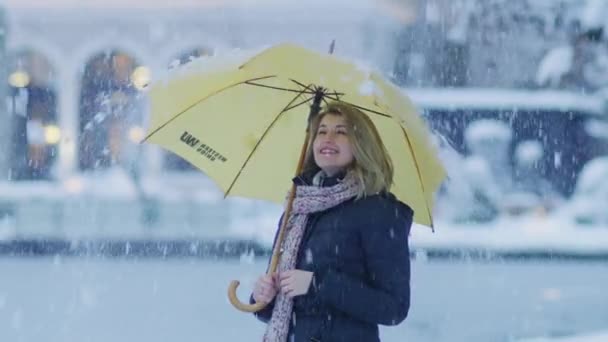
[276, 251]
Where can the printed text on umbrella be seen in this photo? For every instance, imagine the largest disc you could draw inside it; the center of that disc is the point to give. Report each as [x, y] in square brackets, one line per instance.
[201, 148]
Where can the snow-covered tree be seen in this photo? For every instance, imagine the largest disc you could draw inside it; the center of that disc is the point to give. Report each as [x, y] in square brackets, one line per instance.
[508, 43]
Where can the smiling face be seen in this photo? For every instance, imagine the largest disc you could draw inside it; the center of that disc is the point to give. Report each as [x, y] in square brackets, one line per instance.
[332, 147]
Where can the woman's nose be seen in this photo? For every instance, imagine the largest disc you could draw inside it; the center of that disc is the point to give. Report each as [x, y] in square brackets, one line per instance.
[330, 136]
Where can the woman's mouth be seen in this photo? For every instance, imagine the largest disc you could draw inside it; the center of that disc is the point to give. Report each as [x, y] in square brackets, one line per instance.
[326, 151]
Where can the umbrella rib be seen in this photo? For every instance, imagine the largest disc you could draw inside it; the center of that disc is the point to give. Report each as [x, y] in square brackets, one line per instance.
[199, 101]
[305, 87]
[411, 148]
[298, 104]
[367, 109]
[336, 94]
[308, 86]
[279, 88]
[299, 83]
[330, 96]
[287, 107]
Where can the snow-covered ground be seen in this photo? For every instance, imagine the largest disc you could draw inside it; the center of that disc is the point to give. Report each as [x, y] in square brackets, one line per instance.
[153, 300]
[601, 336]
[540, 235]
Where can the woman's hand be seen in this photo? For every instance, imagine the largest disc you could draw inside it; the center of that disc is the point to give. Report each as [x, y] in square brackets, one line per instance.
[295, 282]
[265, 289]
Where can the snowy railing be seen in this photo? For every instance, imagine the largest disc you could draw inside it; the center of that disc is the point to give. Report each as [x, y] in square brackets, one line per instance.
[110, 206]
[186, 214]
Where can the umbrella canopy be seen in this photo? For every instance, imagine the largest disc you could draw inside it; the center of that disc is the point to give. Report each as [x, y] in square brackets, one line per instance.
[242, 120]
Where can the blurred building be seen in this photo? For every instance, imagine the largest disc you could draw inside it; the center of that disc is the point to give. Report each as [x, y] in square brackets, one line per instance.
[76, 78]
[77, 70]
[76, 74]
[501, 43]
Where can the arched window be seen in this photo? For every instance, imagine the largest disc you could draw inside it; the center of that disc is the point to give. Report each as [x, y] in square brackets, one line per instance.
[111, 111]
[171, 160]
[32, 99]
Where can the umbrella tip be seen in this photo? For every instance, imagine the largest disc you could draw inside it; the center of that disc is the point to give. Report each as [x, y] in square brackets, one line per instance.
[332, 46]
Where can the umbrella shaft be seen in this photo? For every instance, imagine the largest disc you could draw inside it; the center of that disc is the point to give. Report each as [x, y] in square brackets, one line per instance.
[315, 108]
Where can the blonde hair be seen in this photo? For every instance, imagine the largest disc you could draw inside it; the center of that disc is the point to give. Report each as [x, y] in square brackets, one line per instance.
[372, 164]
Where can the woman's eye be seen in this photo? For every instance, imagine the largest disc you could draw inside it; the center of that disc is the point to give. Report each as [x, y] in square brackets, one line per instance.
[342, 132]
[321, 132]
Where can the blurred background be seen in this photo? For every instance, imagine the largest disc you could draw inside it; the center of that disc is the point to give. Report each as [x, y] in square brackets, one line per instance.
[515, 91]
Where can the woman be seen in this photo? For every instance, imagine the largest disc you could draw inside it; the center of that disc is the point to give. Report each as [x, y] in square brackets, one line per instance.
[345, 263]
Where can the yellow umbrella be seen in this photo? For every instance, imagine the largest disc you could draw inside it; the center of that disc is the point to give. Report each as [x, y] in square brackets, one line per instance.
[243, 122]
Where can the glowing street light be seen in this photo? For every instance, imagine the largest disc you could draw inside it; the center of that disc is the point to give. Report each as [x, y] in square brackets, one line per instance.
[52, 134]
[141, 77]
[19, 79]
[136, 134]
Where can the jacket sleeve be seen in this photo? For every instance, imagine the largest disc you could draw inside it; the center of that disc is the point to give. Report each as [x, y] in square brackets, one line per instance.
[265, 314]
[383, 298]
